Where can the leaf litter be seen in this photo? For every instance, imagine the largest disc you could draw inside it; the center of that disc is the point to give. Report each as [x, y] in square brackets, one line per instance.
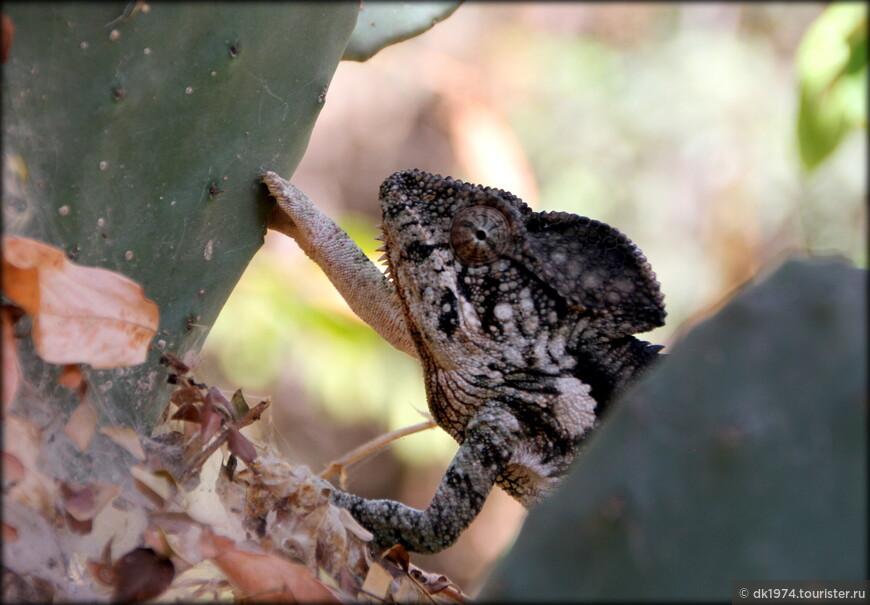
[204, 512]
[80, 314]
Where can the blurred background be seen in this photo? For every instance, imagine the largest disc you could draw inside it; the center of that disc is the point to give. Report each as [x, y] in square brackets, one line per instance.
[677, 124]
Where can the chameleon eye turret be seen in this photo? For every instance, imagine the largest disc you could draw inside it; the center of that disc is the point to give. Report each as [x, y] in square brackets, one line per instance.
[479, 234]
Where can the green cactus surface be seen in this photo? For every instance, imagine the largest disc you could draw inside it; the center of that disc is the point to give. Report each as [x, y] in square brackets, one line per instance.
[381, 24]
[742, 457]
[133, 136]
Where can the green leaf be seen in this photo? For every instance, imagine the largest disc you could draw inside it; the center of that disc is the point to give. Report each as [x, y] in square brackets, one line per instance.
[133, 140]
[381, 24]
[832, 69]
[742, 456]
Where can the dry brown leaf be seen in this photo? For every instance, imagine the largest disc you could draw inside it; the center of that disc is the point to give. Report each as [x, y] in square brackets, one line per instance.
[83, 502]
[219, 401]
[141, 574]
[263, 577]
[241, 446]
[81, 424]
[188, 413]
[80, 314]
[82, 528]
[240, 406]
[211, 420]
[186, 395]
[126, 438]
[22, 439]
[398, 556]
[158, 482]
[377, 581]
[11, 370]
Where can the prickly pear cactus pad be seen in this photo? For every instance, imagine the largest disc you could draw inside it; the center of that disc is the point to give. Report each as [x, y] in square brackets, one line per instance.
[381, 24]
[133, 134]
[743, 456]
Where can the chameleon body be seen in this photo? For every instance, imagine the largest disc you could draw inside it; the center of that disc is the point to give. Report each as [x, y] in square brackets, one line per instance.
[523, 323]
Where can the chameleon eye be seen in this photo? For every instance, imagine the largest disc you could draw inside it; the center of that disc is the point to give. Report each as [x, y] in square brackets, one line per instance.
[479, 234]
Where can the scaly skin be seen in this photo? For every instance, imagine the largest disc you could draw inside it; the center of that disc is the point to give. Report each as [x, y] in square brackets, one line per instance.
[522, 320]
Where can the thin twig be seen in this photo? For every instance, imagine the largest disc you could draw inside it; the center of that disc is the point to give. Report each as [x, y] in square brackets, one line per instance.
[370, 447]
[252, 416]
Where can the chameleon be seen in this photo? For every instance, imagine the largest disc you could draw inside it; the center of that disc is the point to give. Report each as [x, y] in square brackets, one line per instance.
[523, 323]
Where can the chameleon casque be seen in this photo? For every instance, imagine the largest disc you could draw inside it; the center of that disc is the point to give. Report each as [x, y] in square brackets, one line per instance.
[523, 322]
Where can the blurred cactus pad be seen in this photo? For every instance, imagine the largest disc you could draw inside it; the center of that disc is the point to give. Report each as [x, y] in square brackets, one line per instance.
[743, 456]
[133, 137]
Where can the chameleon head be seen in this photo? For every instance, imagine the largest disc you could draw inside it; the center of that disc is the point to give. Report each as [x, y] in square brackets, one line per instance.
[526, 311]
[449, 246]
[482, 275]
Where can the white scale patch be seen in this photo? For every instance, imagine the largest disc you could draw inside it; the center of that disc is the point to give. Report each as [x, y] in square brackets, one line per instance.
[575, 406]
[503, 311]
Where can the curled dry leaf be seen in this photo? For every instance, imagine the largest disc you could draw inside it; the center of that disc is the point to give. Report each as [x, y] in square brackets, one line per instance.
[218, 400]
[211, 419]
[141, 574]
[81, 424]
[80, 314]
[186, 394]
[211, 423]
[160, 483]
[241, 446]
[230, 467]
[263, 577]
[83, 502]
[188, 413]
[398, 556]
[240, 406]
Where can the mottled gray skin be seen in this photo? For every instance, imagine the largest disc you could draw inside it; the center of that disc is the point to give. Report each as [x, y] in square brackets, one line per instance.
[523, 323]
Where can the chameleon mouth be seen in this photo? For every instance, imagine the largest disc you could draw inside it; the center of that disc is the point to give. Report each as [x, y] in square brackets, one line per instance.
[384, 258]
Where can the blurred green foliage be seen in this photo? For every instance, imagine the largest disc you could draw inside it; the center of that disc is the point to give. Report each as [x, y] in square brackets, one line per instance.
[677, 127]
[832, 72]
[684, 136]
